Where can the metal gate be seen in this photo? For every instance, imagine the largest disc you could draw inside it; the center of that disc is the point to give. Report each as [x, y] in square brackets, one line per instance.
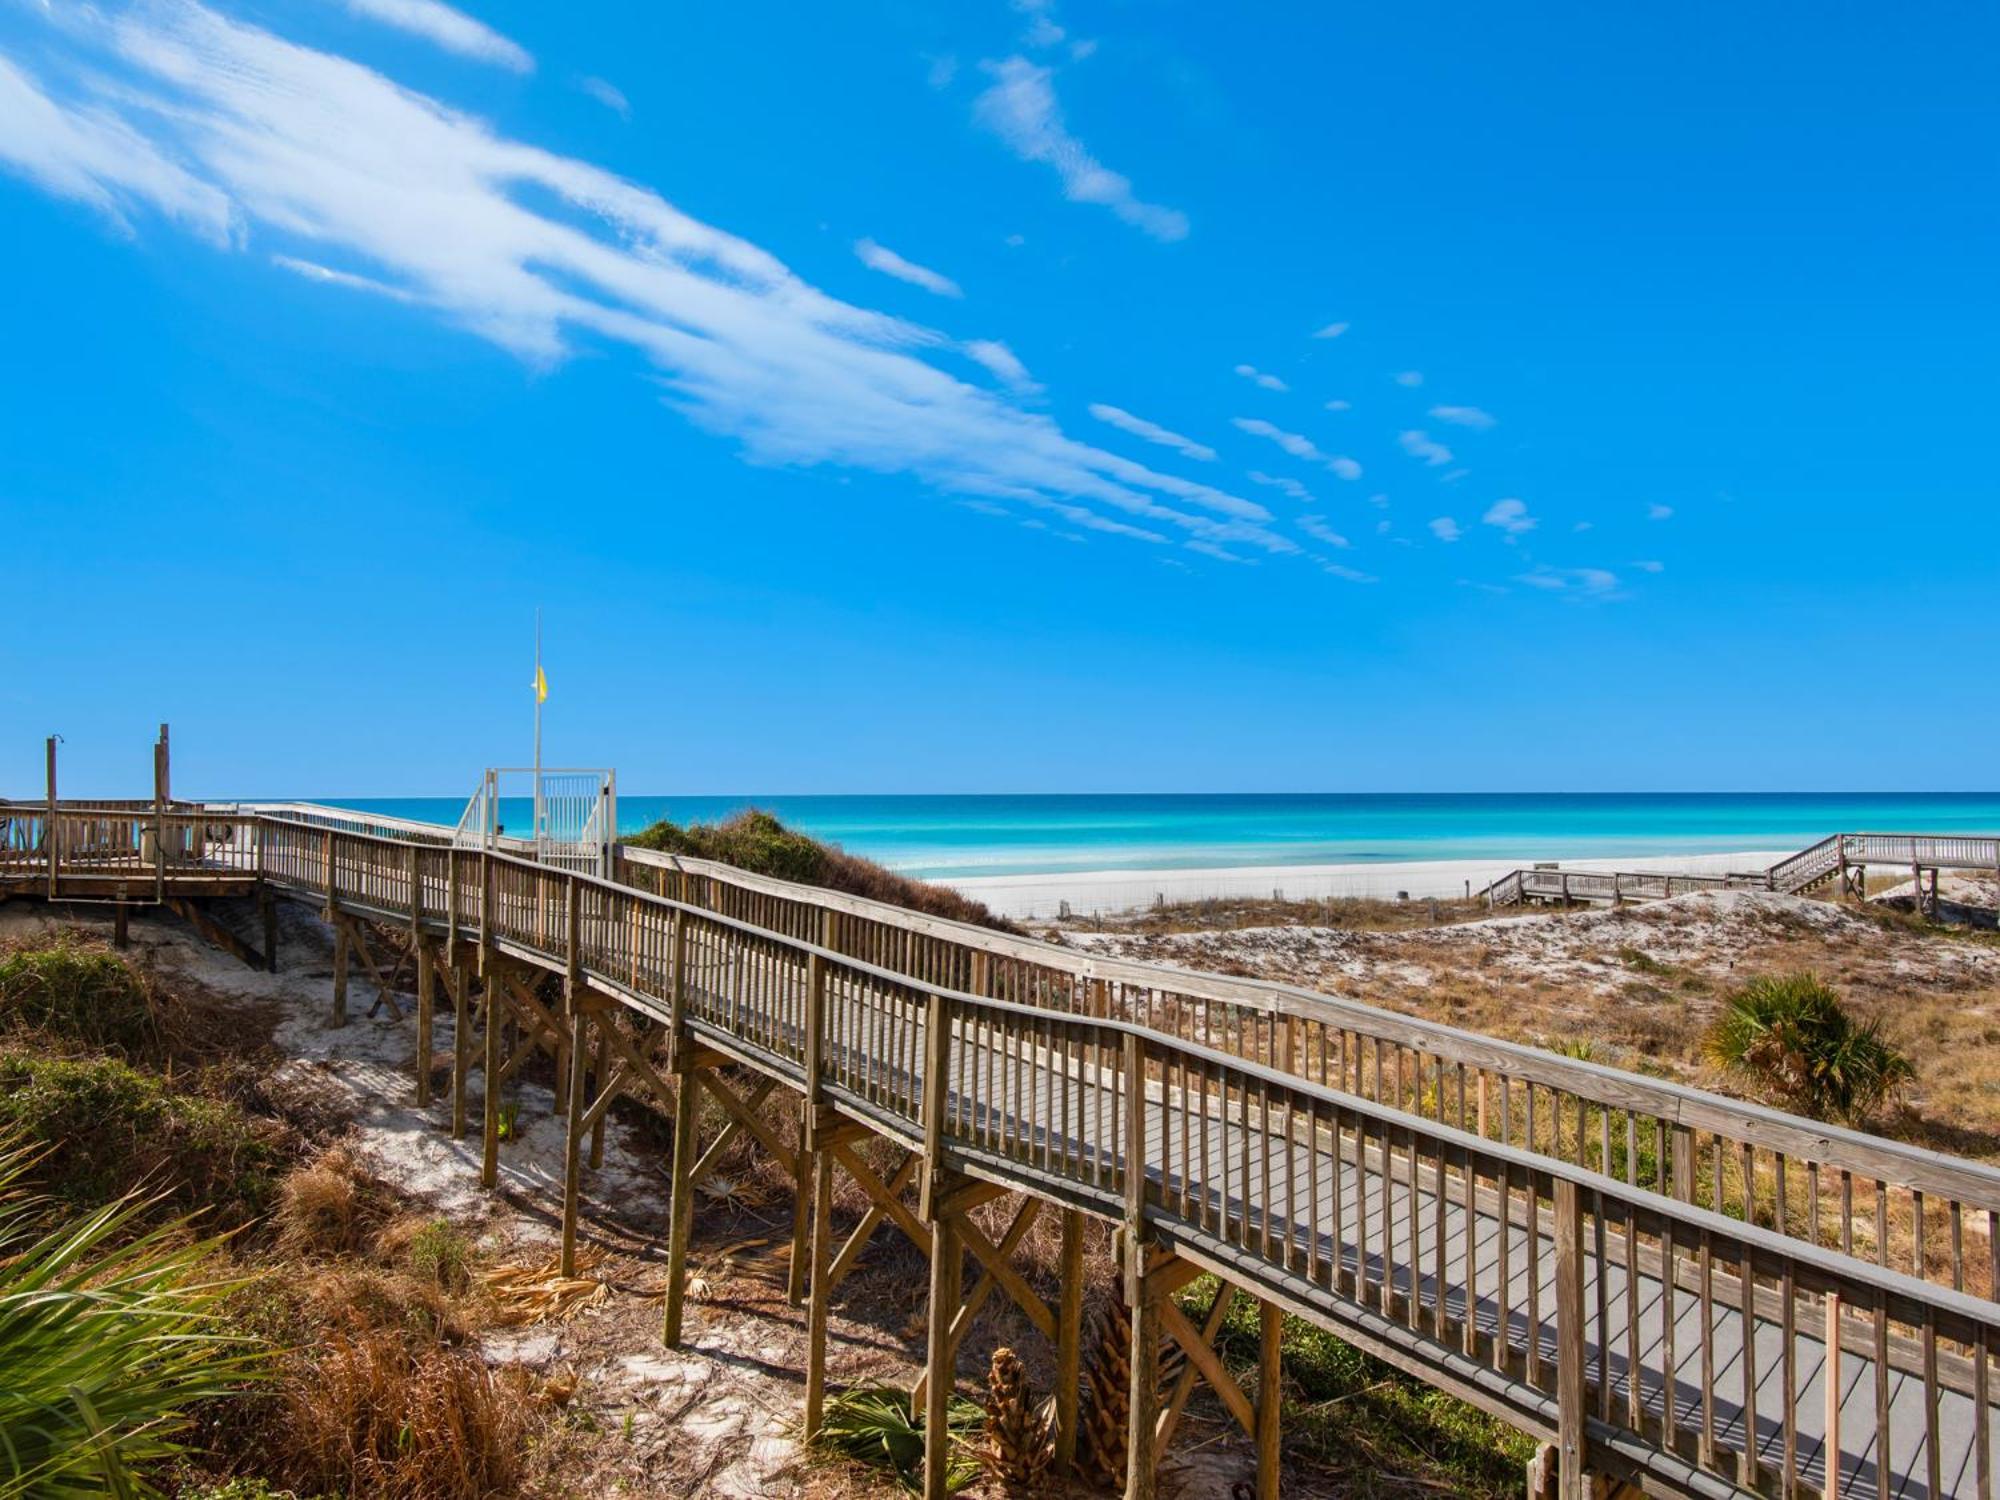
[567, 818]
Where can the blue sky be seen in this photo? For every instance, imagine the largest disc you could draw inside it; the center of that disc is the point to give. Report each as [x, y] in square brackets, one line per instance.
[999, 397]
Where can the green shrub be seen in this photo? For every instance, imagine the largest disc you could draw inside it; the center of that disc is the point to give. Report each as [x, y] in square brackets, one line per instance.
[108, 1338]
[1790, 1037]
[441, 1253]
[115, 1128]
[755, 841]
[79, 992]
[873, 1425]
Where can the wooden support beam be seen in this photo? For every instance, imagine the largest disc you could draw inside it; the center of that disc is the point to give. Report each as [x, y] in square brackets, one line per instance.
[941, 1353]
[1201, 1354]
[876, 1189]
[267, 918]
[426, 1002]
[741, 1111]
[997, 1266]
[983, 1288]
[461, 1037]
[820, 1301]
[1270, 1330]
[1177, 1398]
[1141, 1455]
[850, 1252]
[730, 1133]
[213, 932]
[680, 1209]
[121, 935]
[1069, 1339]
[795, 1272]
[491, 1010]
[573, 1139]
[340, 942]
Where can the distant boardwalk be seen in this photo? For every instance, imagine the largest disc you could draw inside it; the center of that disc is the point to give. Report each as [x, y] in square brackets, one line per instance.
[1843, 856]
[1648, 1278]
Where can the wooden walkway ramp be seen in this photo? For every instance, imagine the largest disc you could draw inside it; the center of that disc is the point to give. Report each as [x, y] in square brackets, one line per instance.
[1643, 1276]
[1845, 857]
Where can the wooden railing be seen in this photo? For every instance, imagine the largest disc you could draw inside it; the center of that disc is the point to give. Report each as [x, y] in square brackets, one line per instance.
[1918, 1211]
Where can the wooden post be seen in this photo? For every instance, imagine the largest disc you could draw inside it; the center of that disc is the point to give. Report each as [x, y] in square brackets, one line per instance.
[1270, 1335]
[680, 1206]
[267, 912]
[426, 1001]
[1570, 1372]
[341, 942]
[461, 1037]
[1143, 1395]
[1831, 1447]
[818, 1307]
[573, 1138]
[937, 1081]
[802, 1184]
[120, 936]
[1069, 1339]
[940, 1362]
[1683, 1149]
[494, 1004]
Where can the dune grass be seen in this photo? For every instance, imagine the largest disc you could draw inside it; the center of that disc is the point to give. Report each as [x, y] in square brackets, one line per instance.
[756, 841]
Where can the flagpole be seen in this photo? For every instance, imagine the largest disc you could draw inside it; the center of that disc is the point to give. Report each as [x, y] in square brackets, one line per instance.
[540, 810]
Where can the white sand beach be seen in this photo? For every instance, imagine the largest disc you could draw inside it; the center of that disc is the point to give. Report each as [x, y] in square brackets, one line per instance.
[1028, 897]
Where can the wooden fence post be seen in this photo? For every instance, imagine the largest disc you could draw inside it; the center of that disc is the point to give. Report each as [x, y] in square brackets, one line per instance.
[680, 1205]
[1069, 1339]
[1570, 1372]
[572, 1060]
[1270, 1335]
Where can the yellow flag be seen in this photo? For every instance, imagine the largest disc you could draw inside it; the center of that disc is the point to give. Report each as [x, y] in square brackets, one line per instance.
[541, 685]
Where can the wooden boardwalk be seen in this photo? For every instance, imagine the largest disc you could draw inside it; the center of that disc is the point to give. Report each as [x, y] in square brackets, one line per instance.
[1845, 857]
[1577, 1250]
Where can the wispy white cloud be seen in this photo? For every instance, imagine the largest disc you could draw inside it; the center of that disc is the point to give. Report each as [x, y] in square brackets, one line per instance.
[1410, 378]
[1298, 446]
[1657, 512]
[1021, 108]
[1582, 526]
[1318, 528]
[1464, 416]
[1282, 483]
[88, 153]
[1338, 405]
[1445, 529]
[1211, 549]
[1003, 362]
[1043, 32]
[1152, 432]
[1510, 515]
[314, 271]
[889, 263]
[448, 28]
[1341, 570]
[1576, 583]
[940, 69]
[1650, 566]
[607, 94]
[1291, 442]
[243, 136]
[1257, 376]
[1454, 476]
[1330, 331]
[1421, 445]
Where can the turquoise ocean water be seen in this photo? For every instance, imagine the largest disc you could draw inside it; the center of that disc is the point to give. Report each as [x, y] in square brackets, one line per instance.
[947, 837]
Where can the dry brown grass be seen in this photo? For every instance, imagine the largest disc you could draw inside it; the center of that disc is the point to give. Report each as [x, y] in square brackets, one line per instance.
[367, 1415]
[328, 1206]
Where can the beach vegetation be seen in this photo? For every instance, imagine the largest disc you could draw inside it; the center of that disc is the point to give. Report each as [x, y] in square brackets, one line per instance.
[756, 841]
[111, 1335]
[1380, 1431]
[872, 1424]
[77, 991]
[1789, 1036]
